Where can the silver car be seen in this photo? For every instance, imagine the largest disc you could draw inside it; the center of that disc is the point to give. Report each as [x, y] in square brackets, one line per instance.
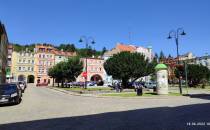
[150, 85]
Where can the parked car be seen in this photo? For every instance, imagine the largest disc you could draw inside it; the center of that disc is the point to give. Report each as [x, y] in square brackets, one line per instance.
[91, 83]
[10, 93]
[150, 85]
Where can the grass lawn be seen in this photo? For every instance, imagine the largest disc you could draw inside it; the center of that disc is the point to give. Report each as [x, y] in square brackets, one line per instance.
[133, 94]
[88, 89]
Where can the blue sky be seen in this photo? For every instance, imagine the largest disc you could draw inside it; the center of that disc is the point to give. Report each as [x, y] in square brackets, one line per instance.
[109, 22]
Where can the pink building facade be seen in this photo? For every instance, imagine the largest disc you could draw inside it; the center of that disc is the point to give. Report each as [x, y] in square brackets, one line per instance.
[95, 70]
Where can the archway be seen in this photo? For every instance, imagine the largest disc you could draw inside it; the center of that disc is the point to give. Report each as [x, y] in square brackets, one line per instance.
[96, 78]
[30, 79]
[21, 78]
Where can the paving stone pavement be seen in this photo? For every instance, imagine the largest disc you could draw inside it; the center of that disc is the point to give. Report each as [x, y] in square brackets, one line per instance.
[47, 109]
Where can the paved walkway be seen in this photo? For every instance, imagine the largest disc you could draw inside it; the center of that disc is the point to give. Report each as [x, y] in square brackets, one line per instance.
[44, 108]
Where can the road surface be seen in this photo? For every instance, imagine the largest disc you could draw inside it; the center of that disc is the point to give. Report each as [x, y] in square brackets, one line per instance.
[48, 109]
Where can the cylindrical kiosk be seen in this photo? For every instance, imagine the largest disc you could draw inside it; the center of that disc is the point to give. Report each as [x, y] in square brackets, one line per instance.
[162, 79]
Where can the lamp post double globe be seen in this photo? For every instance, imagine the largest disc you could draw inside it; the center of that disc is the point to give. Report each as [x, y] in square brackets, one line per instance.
[87, 41]
[175, 34]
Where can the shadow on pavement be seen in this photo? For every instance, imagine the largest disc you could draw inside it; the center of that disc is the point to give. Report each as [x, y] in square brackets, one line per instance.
[201, 96]
[173, 118]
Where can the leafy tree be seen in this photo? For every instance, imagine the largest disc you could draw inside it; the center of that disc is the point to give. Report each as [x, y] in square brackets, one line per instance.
[162, 56]
[104, 50]
[125, 65]
[67, 47]
[195, 74]
[169, 56]
[88, 52]
[156, 57]
[73, 68]
[18, 47]
[66, 70]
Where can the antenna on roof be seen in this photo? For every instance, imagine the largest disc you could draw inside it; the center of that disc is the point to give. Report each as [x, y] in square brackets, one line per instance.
[129, 37]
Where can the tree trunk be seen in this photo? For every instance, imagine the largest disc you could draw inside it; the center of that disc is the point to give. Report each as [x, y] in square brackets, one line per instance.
[62, 83]
[124, 83]
[53, 82]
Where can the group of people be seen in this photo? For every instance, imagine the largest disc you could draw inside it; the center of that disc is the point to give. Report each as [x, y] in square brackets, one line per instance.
[137, 85]
[118, 86]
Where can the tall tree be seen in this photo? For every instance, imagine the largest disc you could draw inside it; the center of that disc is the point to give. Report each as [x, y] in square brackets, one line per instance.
[66, 70]
[195, 73]
[169, 56]
[104, 50]
[67, 47]
[124, 66]
[162, 56]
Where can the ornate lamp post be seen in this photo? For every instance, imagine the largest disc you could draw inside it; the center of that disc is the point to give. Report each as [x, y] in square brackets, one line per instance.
[87, 41]
[175, 34]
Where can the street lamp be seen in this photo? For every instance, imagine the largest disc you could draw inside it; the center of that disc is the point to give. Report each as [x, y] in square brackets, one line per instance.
[175, 34]
[87, 41]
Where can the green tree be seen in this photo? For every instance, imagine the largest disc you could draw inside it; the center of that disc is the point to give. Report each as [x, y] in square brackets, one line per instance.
[67, 47]
[104, 50]
[169, 56]
[66, 70]
[195, 74]
[73, 68]
[89, 52]
[124, 66]
[162, 56]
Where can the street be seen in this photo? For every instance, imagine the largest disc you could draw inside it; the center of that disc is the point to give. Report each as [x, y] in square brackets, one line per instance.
[43, 108]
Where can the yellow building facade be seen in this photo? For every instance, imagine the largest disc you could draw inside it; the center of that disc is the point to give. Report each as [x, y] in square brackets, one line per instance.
[23, 66]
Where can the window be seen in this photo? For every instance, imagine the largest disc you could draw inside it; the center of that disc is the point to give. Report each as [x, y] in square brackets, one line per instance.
[19, 68]
[43, 56]
[40, 55]
[59, 56]
[19, 60]
[23, 68]
[100, 69]
[28, 61]
[45, 80]
[29, 68]
[32, 61]
[32, 69]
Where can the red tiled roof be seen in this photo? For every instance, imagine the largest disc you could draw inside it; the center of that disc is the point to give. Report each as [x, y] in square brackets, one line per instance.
[123, 47]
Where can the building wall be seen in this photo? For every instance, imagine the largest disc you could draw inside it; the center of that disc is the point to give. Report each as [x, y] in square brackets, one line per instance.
[147, 52]
[94, 67]
[44, 59]
[22, 65]
[59, 58]
[204, 60]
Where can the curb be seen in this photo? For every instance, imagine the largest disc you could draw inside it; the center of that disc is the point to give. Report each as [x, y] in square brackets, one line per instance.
[98, 96]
